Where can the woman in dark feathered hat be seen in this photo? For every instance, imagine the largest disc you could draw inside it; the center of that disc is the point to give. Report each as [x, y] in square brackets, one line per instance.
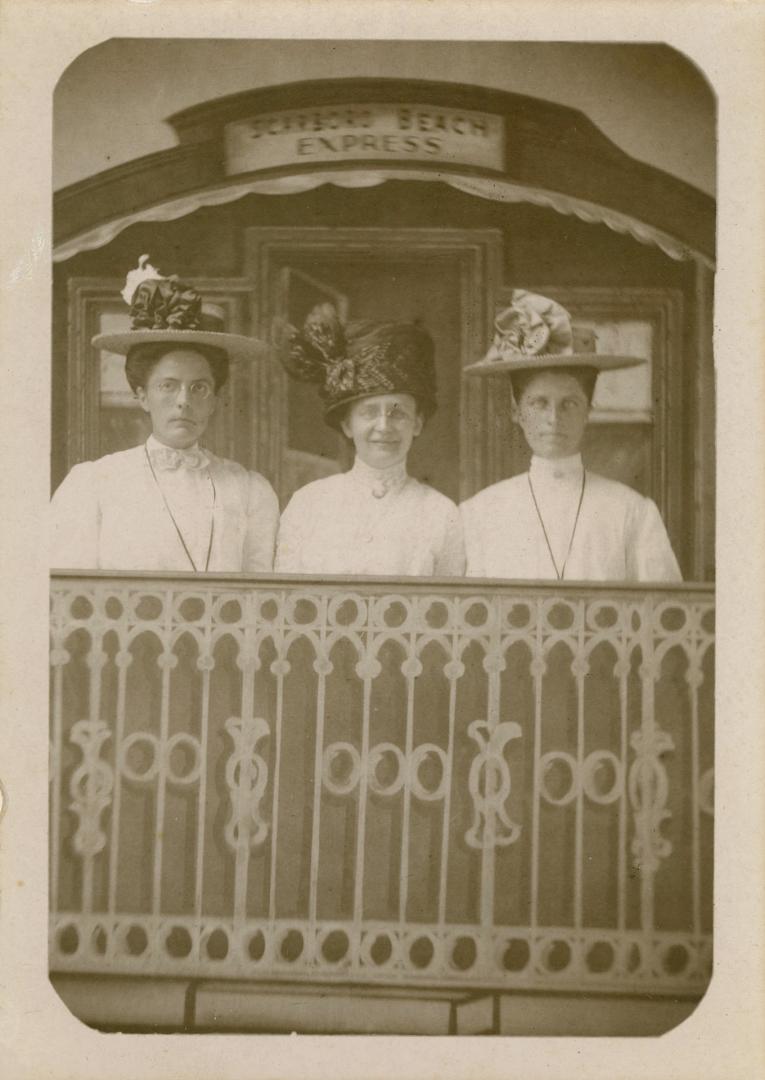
[378, 384]
[168, 504]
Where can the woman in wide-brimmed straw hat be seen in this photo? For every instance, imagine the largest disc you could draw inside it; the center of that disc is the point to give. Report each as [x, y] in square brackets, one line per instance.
[558, 520]
[378, 384]
[168, 504]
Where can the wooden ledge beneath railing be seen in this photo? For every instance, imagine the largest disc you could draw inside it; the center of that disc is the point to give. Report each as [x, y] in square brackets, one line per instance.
[187, 1006]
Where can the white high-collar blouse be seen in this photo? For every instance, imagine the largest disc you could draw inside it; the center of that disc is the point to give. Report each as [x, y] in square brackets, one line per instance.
[370, 521]
[619, 534]
[116, 514]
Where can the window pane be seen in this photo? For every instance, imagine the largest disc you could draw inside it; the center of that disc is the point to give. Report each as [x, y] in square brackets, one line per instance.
[121, 422]
[624, 393]
[113, 388]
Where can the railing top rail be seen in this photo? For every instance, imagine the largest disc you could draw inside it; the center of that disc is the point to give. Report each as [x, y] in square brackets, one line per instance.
[384, 584]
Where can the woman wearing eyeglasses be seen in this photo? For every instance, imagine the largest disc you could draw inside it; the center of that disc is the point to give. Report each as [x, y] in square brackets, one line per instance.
[168, 504]
[379, 388]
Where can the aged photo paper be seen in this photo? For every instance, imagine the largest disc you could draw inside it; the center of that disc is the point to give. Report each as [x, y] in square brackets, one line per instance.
[139, 867]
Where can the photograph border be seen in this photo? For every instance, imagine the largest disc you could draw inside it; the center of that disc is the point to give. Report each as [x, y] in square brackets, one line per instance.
[723, 1038]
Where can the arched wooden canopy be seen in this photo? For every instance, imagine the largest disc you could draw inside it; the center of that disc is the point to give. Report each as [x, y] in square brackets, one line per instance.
[551, 155]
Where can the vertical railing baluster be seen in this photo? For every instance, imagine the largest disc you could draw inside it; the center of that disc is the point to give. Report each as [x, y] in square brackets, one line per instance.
[165, 658]
[321, 665]
[95, 666]
[580, 667]
[694, 681]
[623, 665]
[122, 660]
[537, 667]
[202, 797]
[647, 754]
[279, 642]
[204, 728]
[358, 885]
[648, 780]
[449, 778]
[647, 724]
[242, 850]
[56, 766]
[358, 890]
[407, 790]
[489, 848]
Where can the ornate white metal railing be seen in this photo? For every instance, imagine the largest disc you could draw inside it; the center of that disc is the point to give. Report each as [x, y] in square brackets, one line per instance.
[434, 783]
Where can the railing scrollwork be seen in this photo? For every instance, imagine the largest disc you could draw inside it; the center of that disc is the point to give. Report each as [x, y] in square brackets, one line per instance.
[490, 785]
[449, 784]
[247, 778]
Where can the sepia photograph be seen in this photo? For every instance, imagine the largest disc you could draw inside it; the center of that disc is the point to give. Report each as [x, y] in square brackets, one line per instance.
[383, 603]
[382, 622]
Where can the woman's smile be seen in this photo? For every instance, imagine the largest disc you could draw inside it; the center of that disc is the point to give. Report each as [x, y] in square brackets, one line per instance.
[382, 427]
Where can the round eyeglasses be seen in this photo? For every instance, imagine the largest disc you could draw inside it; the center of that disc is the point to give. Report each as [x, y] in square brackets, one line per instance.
[396, 414]
[198, 390]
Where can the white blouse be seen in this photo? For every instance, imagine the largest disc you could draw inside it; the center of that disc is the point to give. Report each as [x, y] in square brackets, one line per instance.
[619, 534]
[370, 521]
[110, 514]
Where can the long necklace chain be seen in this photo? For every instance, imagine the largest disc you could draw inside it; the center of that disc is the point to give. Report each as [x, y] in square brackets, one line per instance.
[558, 573]
[175, 523]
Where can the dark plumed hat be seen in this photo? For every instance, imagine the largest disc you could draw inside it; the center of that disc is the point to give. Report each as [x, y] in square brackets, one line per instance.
[168, 310]
[361, 359]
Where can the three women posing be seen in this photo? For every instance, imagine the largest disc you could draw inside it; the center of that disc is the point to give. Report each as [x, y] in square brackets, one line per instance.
[171, 505]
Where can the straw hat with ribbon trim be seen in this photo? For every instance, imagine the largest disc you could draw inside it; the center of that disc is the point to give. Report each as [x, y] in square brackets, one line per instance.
[167, 310]
[535, 333]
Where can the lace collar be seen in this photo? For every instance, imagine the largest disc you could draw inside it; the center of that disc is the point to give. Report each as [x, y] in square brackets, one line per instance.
[379, 481]
[167, 457]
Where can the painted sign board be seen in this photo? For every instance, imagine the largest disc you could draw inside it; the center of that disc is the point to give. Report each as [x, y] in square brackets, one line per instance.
[387, 132]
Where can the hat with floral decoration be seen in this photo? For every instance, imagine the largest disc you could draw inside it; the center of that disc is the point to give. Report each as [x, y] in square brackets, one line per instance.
[535, 333]
[167, 310]
[361, 359]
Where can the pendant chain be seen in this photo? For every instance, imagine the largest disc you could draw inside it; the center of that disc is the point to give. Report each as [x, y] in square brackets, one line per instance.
[558, 573]
[175, 523]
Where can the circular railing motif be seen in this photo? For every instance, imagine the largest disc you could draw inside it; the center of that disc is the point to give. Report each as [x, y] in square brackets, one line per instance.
[387, 769]
[160, 757]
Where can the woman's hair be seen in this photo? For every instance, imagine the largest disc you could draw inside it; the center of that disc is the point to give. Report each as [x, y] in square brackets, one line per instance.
[585, 376]
[142, 359]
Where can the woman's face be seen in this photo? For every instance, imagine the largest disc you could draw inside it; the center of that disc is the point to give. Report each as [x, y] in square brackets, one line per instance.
[179, 396]
[553, 413]
[382, 428]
